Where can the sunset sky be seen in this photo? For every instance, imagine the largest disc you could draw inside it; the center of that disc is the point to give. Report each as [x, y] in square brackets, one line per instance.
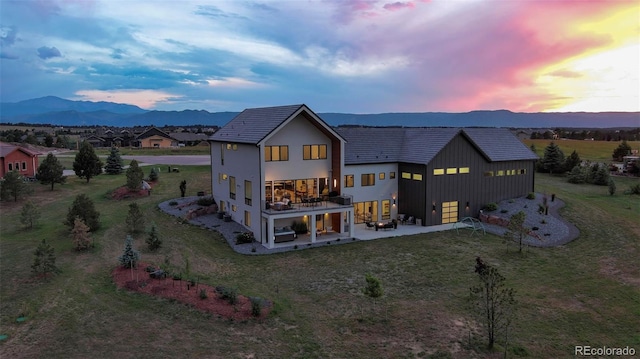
[335, 56]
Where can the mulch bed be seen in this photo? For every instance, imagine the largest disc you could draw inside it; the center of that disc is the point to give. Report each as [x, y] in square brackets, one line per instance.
[124, 193]
[177, 290]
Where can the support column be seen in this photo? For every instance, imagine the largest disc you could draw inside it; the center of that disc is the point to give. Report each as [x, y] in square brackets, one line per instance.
[270, 232]
[352, 229]
[312, 227]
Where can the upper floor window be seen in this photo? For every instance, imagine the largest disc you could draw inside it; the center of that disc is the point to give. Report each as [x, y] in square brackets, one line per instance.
[452, 170]
[463, 170]
[348, 180]
[368, 179]
[314, 152]
[392, 175]
[417, 177]
[276, 153]
[381, 176]
[232, 146]
[438, 171]
[232, 187]
[406, 175]
[247, 193]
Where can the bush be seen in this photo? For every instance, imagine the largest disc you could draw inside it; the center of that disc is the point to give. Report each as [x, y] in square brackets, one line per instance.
[228, 294]
[153, 175]
[173, 203]
[635, 189]
[299, 227]
[153, 241]
[203, 294]
[245, 237]
[531, 195]
[206, 201]
[256, 306]
[490, 207]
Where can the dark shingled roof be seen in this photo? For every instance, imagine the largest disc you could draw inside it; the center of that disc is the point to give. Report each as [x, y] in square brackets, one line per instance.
[254, 124]
[421, 145]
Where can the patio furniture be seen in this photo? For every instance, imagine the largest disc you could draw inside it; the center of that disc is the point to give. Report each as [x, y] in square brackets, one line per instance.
[370, 225]
[385, 226]
[284, 234]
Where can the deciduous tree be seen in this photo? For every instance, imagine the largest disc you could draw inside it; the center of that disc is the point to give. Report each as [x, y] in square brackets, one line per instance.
[51, 171]
[87, 164]
[80, 235]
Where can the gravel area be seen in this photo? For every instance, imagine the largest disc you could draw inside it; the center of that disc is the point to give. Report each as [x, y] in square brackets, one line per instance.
[552, 230]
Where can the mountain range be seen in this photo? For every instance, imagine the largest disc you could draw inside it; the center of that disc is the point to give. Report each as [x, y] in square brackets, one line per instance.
[61, 112]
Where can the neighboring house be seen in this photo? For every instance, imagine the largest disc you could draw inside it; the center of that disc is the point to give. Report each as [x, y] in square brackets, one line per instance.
[155, 138]
[189, 138]
[15, 158]
[267, 157]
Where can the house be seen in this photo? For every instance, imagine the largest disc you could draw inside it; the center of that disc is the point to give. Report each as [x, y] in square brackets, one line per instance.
[15, 158]
[154, 138]
[275, 166]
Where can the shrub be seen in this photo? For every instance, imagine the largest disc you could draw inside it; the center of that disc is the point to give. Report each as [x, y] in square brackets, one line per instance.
[80, 235]
[152, 240]
[635, 189]
[531, 195]
[206, 201]
[173, 203]
[256, 306]
[245, 237]
[490, 207]
[203, 293]
[503, 211]
[299, 227]
[228, 294]
[153, 175]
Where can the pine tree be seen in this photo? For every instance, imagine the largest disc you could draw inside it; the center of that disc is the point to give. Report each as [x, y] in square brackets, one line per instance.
[12, 186]
[576, 175]
[51, 171]
[153, 241]
[553, 160]
[135, 219]
[83, 208]
[87, 164]
[572, 161]
[373, 288]
[153, 175]
[134, 176]
[114, 164]
[622, 150]
[80, 235]
[612, 186]
[601, 177]
[29, 214]
[130, 256]
[44, 261]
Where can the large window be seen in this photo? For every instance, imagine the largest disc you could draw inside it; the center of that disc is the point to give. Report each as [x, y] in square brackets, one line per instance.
[386, 209]
[368, 179]
[449, 212]
[276, 153]
[247, 193]
[348, 180]
[232, 187]
[314, 152]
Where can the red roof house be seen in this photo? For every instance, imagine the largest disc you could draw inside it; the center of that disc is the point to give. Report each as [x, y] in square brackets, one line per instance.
[15, 158]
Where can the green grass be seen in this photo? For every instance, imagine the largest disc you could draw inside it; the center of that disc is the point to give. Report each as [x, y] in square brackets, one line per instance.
[588, 150]
[584, 293]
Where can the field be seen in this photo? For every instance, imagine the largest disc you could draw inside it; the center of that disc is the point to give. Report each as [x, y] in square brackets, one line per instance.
[599, 151]
[584, 293]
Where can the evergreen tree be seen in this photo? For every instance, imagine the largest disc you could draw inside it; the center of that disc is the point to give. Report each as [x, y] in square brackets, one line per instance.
[114, 164]
[553, 160]
[153, 174]
[134, 176]
[51, 171]
[12, 186]
[572, 161]
[87, 164]
[183, 188]
[153, 241]
[601, 177]
[130, 256]
[44, 261]
[80, 235]
[576, 175]
[612, 186]
[495, 301]
[29, 214]
[83, 208]
[622, 150]
[135, 219]
[590, 173]
[48, 140]
[373, 288]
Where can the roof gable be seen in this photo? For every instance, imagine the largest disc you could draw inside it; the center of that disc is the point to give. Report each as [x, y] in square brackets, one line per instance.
[153, 131]
[6, 149]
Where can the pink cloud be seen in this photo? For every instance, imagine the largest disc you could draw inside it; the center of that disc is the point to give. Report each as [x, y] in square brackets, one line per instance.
[399, 6]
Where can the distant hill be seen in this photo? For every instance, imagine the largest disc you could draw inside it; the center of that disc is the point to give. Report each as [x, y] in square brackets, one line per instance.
[56, 111]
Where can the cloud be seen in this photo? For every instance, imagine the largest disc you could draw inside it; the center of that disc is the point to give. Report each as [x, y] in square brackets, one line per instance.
[399, 6]
[7, 39]
[146, 99]
[46, 53]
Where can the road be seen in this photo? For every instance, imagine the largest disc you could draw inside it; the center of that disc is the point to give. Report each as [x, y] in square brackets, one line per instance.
[176, 161]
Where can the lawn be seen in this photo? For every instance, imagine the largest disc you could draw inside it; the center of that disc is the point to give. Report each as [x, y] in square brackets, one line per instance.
[600, 151]
[584, 293]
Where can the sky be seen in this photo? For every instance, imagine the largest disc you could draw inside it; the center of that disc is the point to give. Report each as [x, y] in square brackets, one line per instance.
[355, 56]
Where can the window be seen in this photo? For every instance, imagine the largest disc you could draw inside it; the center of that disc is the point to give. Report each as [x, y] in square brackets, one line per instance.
[463, 170]
[232, 187]
[381, 176]
[386, 209]
[452, 170]
[392, 175]
[488, 173]
[438, 171]
[228, 146]
[314, 152]
[449, 212]
[247, 193]
[24, 166]
[247, 218]
[417, 177]
[367, 179]
[500, 173]
[10, 167]
[406, 175]
[233, 146]
[222, 154]
[234, 207]
[523, 171]
[222, 177]
[348, 180]
[276, 153]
